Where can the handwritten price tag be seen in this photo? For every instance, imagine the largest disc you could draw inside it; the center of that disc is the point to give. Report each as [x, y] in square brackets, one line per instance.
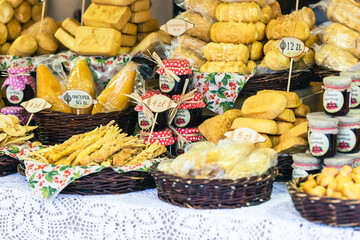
[292, 47]
[36, 105]
[77, 99]
[176, 27]
[246, 135]
[159, 103]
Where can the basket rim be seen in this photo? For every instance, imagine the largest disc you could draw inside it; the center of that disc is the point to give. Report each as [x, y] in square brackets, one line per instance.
[293, 188]
[49, 112]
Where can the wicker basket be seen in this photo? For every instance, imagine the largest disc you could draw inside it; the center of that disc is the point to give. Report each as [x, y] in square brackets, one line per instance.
[322, 72]
[279, 81]
[285, 168]
[214, 193]
[57, 127]
[331, 211]
[107, 181]
[8, 165]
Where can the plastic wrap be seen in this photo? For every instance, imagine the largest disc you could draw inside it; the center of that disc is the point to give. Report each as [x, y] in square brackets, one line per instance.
[238, 12]
[229, 159]
[204, 7]
[202, 25]
[196, 45]
[333, 57]
[285, 27]
[260, 2]
[113, 97]
[305, 14]
[340, 35]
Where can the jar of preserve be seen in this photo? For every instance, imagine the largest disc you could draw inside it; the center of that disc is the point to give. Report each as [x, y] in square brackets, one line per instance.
[348, 139]
[180, 67]
[354, 156]
[322, 137]
[315, 115]
[189, 112]
[336, 99]
[19, 86]
[355, 88]
[144, 122]
[189, 134]
[304, 165]
[164, 138]
[338, 162]
[19, 112]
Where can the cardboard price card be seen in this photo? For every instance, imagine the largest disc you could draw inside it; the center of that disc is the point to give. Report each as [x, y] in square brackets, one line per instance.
[159, 103]
[36, 105]
[292, 47]
[246, 135]
[176, 27]
[77, 99]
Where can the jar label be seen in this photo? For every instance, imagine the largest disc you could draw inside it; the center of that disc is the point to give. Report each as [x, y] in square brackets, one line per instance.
[182, 118]
[355, 96]
[166, 85]
[179, 151]
[333, 101]
[319, 144]
[14, 96]
[144, 123]
[346, 140]
[299, 173]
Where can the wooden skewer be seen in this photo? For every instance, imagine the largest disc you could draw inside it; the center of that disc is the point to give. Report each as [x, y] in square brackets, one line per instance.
[30, 118]
[82, 12]
[151, 131]
[42, 15]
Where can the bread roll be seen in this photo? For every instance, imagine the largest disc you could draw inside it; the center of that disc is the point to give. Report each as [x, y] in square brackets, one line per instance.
[14, 29]
[202, 25]
[343, 37]
[49, 26]
[24, 46]
[5, 48]
[36, 12]
[47, 44]
[305, 14]
[345, 12]
[231, 32]
[333, 57]
[275, 61]
[15, 3]
[23, 12]
[238, 12]
[275, 10]
[205, 7]
[261, 30]
[231, 66]
[277, 29]
[6, 12]
[226, 52]
[256, 50]
[3, 33]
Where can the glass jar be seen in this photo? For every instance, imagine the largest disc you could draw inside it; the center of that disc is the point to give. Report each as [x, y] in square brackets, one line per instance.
[304, 165]
[354, 156]
[19, 86]
[164, 138]
[315, 115]
[180, 67]
[19, 112]
[322, 136]
[338, 161]
[189, 113]
[190, 134]
[348, 139]
[355, 88]
[336, 99]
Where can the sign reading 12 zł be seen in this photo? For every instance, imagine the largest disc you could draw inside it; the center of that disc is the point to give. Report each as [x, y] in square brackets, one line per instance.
[292, 47]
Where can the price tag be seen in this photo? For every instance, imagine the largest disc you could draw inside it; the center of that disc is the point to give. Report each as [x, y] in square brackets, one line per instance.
[176, 27]
[246, 135]
[77, 99]
[292, 47]
[36, 105]
[159, 103]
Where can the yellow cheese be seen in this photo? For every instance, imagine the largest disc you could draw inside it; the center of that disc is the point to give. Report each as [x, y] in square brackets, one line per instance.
[302, 110]
[300, 120]
[128, 40]
[259, 125]
[292, 98]
[287, 115]
[283, 127]
[233, 114]
[266, 144]
[130, 29]
[275, 140]
[298, 131]
[70, 25]
[292, 145]
[264, 106]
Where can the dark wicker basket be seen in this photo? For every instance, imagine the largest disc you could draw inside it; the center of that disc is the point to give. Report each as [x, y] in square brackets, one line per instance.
[322, 72]
[331, 211]
[214, 193]
[57, 127]
[279, 81]
[107, 181]
[285, 168]
[8, 165]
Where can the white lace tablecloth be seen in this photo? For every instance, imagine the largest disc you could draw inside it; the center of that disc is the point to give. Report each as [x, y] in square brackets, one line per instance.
[142, 215]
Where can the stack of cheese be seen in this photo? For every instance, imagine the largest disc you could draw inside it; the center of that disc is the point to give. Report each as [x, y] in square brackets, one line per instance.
[341, 37]
[20, 29]
[237, 36]
[279, 117]
[297, 25]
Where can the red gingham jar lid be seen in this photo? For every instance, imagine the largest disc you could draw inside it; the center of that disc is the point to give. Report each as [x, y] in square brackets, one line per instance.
[159, 134]
[188, 130]
[190, 134]
[12, 110]
[164, 137]
[197, 97]
[192, 105]
[177, 66]
[164, 142]
[17, 70]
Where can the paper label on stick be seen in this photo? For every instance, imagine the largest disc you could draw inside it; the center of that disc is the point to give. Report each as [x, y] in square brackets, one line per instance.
[292, 47]
[36, 105]
[246, 135]
[176, 27]
[77, 99]
[159, 103]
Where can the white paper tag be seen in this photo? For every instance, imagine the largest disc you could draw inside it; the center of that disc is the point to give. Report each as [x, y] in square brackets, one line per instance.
[292, 47]
[35, 105]
[77, 99]
[159, 103]
[246, 135]
[176, 27]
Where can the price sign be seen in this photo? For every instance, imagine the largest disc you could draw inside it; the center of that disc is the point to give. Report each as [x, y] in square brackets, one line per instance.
[36, 105]
[77, 99]
[176, 27]
[292, 47]
[246, 135]
[159, 103]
